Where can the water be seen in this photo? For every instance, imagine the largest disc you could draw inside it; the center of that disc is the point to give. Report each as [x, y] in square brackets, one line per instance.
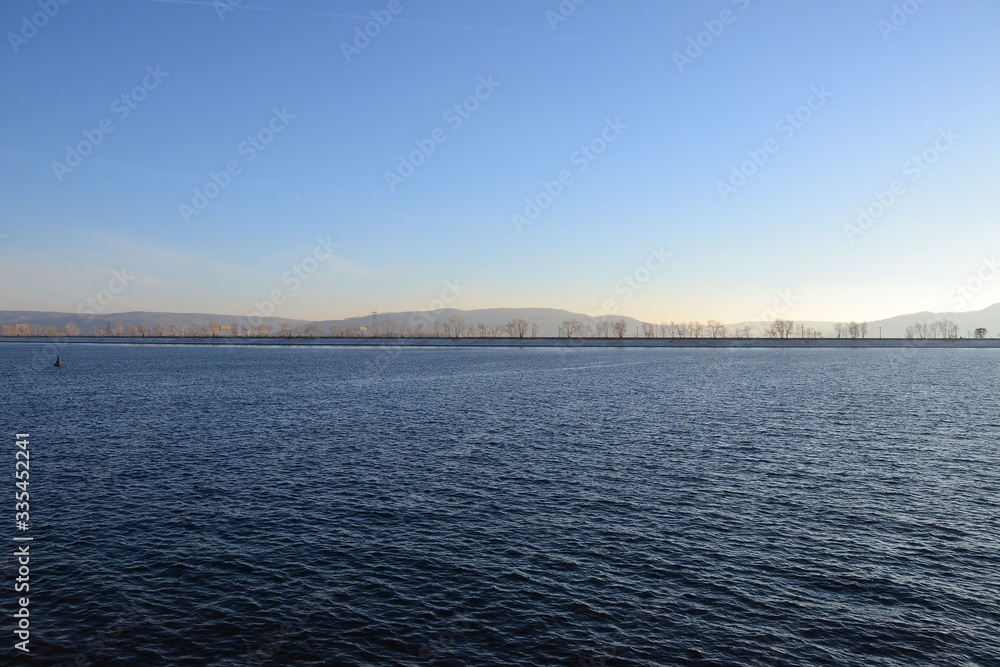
[303, 506]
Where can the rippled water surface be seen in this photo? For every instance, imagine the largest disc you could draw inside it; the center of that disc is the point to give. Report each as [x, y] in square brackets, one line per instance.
[311, 506]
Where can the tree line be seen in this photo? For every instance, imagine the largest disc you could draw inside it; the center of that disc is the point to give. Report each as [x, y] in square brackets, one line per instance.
[941, 329]
[456, 327]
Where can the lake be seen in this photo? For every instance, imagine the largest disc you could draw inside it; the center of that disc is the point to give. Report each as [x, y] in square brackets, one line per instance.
[338, 506]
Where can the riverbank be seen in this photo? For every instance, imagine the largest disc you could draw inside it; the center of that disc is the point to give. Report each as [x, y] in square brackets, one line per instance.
[726, 343]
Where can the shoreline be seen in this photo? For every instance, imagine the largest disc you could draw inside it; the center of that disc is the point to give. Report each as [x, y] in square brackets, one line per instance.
[706, 343]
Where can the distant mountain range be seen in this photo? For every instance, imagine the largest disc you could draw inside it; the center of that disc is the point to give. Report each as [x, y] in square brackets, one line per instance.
[474, 322]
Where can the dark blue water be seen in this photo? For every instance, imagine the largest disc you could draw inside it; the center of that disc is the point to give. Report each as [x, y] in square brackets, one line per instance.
[304, 506]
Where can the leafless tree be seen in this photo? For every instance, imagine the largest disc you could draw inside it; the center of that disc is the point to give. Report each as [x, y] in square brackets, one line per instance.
[780, 328]
[603, 327]
[716, 329]
[571, 328]
[517, 328]
[648, 330]
[853, 329]
[620, 327]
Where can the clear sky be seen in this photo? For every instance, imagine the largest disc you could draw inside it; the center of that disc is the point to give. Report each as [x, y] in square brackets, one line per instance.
[715, 153]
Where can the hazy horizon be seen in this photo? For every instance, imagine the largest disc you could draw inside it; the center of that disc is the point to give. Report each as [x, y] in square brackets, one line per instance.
[663, 162]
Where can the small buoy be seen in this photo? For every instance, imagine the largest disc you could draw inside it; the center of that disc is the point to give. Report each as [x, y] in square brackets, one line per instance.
[58, 361]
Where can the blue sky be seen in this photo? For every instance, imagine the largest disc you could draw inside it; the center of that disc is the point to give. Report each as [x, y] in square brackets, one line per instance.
[671, 129]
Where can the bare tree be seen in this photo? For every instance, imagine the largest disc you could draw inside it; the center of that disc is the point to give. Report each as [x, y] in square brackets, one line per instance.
[648, 330]
[978, 333]
[620, 327]
[571, 328]
[456, 325]
[852, 329]
[534, 331]
[603, 328]
[517, 328]
[716, 329]
[780, 328]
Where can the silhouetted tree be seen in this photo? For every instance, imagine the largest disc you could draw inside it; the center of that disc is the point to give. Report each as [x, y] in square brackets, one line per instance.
[517, 328]
[780, 328]
[620, 328]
